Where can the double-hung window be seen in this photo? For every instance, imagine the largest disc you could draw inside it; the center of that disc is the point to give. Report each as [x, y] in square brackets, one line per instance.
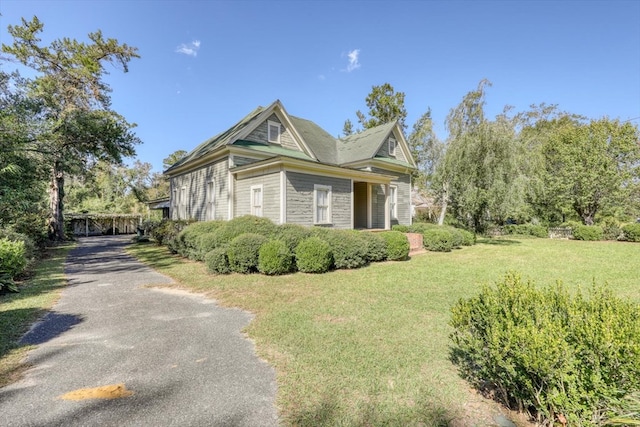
[256, 200]
[392, 146]
[211, 199]
[321, 204]
[273, 132]
[393, 202]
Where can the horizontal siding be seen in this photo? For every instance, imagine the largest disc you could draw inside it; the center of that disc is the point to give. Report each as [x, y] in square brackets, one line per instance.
[260, 134]
[195, 184]
[300, 199]
[384, 150]
[270, 182]
[241, 161]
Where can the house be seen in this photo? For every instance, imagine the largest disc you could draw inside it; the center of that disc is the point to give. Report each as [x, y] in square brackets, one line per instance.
[290, 170]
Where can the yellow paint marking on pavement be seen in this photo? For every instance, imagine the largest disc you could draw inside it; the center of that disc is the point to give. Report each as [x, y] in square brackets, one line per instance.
[114, 391]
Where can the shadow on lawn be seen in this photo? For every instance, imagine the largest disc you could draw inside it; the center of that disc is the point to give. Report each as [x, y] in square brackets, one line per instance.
[498, 242]
[330, 412]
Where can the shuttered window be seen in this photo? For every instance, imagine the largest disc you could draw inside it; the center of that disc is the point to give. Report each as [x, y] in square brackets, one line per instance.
[322, 204]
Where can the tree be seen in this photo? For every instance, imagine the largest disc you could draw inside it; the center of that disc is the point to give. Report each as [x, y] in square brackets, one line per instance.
[385, 105]
[173, 158]
[78, 125]
[347, 129]
[426, 148]
[480, 163]
[592, 166]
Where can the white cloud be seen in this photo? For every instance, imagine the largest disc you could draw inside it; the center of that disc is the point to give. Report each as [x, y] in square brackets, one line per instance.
[190, 49]
[353, 60]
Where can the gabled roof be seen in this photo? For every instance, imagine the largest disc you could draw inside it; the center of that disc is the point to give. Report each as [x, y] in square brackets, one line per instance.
[363, 145]
[316, 144]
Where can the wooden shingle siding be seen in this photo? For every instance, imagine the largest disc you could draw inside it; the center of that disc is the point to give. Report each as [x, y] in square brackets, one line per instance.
[270, 181]
[195, 184]
[300, 199]
[259, 134]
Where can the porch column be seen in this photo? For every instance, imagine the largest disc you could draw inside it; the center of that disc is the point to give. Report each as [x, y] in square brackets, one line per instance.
[387, 217]
[369, 207]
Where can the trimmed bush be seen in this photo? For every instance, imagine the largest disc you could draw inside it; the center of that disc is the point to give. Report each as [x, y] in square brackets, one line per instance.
[243, 252]
[632, 232]
[313, 255]
[217, 261]
[468, 238]
[588, 232]
[13, 259]
[347, 247]
[526, 230]
[401, 228]
[375, 246]
[275, 258]
[547, 352]
[188, 238]
[229, 230]
[293, 234]
[206, 242]
[166, 233]
[438, 240]
[397, 245]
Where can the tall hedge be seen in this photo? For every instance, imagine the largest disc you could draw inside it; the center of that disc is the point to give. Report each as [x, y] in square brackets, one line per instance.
[549, 352]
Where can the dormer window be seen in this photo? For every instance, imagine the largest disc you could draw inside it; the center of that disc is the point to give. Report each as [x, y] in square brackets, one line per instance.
[392, 147]
[273, 132]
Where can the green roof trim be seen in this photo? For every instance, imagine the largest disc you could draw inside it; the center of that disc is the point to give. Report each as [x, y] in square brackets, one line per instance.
[276, 150]
[393, 161]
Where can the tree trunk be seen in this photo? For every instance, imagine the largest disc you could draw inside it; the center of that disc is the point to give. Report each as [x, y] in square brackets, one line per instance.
[445, 202]
[56, 195]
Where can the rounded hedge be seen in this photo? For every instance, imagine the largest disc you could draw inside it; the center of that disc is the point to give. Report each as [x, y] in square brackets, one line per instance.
[588, 232]
[217, 261]
[292, 234]
[348, 248]
[188, 238]
[275, 258]
[229, 230]
[632, 232]
[375, 246]
[313, 255]
[243, 252]
[438, 240]
[397, 245]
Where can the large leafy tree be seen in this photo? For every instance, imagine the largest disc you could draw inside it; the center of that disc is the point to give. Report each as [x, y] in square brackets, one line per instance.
[591, 166]
[78, 126]
[385, 105]
[426, 148]
[480, 164]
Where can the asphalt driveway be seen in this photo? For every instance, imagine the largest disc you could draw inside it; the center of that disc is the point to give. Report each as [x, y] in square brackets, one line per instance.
[165, 358]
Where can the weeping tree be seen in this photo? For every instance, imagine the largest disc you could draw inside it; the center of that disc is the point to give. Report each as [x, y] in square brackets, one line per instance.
[480, 165]
[77, 125]
[427, 150]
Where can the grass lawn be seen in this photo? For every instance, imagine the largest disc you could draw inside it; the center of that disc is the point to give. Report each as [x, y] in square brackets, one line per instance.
[370, 346]
[19, 310]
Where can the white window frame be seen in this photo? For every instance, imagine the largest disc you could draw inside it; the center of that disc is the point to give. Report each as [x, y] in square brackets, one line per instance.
[317, 189]
[393, 201]
[183, 203]
[257, 209]
[270, 137]
[211, 199]
[393, 146]
[176, 204]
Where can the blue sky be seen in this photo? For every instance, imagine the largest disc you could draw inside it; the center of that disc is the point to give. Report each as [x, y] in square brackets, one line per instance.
[206, 64]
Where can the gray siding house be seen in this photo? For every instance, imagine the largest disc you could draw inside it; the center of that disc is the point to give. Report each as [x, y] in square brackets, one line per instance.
[290, 170]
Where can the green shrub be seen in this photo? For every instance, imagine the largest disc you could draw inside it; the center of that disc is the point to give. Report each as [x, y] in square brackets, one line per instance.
[206, 242]
[468, 238]
[526, 230]
[397, 245]
[632, 232]
[347, 247]
[400, 228]
[229, 230]
[375, 246]
[313, 255]
[29, 246]
[547, 352]
[217, 261]
[422, 227]
[188, 238]
[438, 240]
[166, 233]
[588, 232]
[13, 259]
[243, 252]
[275, 258]
[292, 234]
